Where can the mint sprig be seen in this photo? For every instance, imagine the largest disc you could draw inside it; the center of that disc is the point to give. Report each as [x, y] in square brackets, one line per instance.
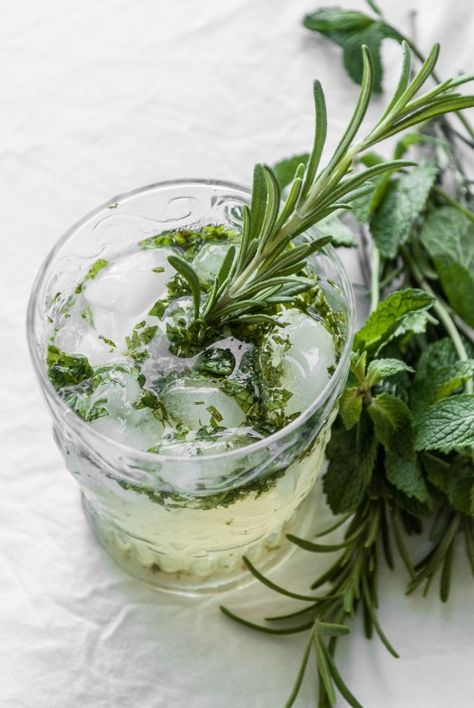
[402, 449]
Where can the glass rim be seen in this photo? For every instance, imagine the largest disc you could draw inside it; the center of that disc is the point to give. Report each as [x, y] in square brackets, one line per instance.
[78, 424]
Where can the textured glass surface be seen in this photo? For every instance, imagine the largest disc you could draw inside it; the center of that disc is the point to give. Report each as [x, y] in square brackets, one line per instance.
[183, 523]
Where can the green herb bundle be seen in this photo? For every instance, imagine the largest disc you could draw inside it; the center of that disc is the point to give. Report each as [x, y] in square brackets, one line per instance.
[401, 455]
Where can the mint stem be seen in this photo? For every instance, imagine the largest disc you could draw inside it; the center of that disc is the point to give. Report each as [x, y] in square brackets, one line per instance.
[374, 278]
[442, 313]
[454, 203]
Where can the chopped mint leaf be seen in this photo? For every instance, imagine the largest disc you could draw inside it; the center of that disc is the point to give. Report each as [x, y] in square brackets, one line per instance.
[87, 315]
[393, 318]
[190, 241]
[67, 369]
[448, 236]
[216, 362]
[350, 30]
[95, 268]
[158, 309]
[403, 202]
[136, 344]
[158, 269]
[107, 341]
[149, 399]
[215, 413]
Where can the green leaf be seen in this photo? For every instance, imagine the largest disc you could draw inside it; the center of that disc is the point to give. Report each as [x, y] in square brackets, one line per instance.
[95, 268]
[379, 369]
[407, 476]
[393, 318]
[285, 170]
[351, 456]
[392, 423]
[455, 480]
[440, 383]
[404, 200]
[331, 629]
[350, 30]
[320, 134]
[446, 425]
[67, 369]
[437, 355]
[189, 274]
[350, 406]
[453, 378]
[341, 235]
[448, 236]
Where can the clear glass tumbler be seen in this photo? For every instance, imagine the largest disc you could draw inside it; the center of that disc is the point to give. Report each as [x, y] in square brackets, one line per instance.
[183, 523]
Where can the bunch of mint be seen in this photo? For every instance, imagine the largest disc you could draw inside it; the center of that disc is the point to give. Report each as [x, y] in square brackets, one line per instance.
[401, 455]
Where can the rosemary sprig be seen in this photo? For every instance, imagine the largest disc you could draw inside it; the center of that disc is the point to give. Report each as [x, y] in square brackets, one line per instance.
[267, 268]
[351, 584]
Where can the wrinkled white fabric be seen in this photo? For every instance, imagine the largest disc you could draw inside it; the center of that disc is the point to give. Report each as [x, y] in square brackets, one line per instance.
[99, 97]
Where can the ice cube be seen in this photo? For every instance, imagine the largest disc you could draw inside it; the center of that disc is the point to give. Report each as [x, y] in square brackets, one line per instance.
[209, 260]
[196, 404]
[130, 285]
[213, 444]
[301, 351]
[97, 350]
[121, 295]
[141, 430]
[121, 391]
[118, 393]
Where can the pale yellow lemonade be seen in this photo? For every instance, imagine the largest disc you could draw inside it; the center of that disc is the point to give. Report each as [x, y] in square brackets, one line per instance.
[113, 359]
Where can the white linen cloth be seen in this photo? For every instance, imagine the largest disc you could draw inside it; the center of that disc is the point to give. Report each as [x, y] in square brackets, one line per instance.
[99, 97]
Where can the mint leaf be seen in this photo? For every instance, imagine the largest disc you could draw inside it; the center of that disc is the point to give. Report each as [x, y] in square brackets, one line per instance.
[392, 423]
[350, 406]
[350, 30]
[284, 170]
[448, 236]
[95, 268]
[407, 476]
[404, 200]
[439, 374]
[379, 369]
[341, 235]
[437, 355]
[455, 480]
[67, 369]
[351, 456]
[443, 382]
[363, 206]
[454, 377]
[446, 425]
[395, 316]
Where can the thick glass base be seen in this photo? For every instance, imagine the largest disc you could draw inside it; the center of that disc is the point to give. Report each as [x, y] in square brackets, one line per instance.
[134, 555]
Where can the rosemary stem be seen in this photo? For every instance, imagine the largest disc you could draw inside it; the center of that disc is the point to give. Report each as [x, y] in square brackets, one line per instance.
[442, 313]
[467, 126]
